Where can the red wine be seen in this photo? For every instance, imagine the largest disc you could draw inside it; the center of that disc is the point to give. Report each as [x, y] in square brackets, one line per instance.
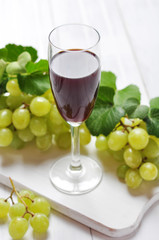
[75, 77]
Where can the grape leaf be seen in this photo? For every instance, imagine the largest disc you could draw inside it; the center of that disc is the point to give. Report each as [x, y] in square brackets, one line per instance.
[140, 112]
[41, 66]
[131, 91]
[103, 120]
[11, 52]
[130, 105]
[35, 84]
[106, 94]
[154, 103]
[152, 126]
[108, 79]
[3, 85]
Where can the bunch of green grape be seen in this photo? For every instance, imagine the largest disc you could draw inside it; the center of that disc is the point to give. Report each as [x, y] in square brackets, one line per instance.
[25, 118]
[28, 210]
[135, 149]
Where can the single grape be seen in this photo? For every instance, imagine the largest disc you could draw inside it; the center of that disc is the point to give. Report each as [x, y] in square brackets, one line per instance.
[14, 102]
[17, 210]
[56, 128]
[40, 106]
[148, 171]
[39, 223]
[151, 150]
[13, 87]
[40, 205]
[133, 178]
[132, 157]
[16, 143]
[3, 103]
[63, 140]
[6, 137]
[117, 140]
[101, 142]
[138, 138]
[143, 125]
[4, 208]
[38, 126]
[21, 118]
[121, 171]
[25, 135]
[54, 116]
[85, 136]
[5, 118]
[44, 142]
[49, 96]
[24, 58]
[18, 226]
[27, 196]
[27, 98]
[14, 68]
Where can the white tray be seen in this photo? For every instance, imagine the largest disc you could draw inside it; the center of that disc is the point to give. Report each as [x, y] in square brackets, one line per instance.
[111, 208]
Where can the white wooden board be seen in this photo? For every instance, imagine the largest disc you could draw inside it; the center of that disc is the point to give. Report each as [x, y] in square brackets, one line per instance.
[111, 208]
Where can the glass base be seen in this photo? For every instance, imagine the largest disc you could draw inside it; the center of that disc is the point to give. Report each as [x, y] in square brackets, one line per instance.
[78, 181]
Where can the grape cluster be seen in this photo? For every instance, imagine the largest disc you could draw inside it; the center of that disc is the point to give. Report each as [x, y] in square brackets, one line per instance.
[29, 209]
[138, 152]
[24, 117]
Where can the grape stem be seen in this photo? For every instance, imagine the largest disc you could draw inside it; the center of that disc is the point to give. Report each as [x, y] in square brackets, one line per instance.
[18, 195]
[10, 197]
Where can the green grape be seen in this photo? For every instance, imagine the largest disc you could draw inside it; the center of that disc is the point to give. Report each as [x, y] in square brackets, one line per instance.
[48, 94]
[117, 140]
[27, 98]
[101, 142]
[44, 142]
[17, 210]
[2, 67]
[143, 125]
[39, 223]
[121, 171]
[14, 102]
[18, 226]
[27, 196]
[13, 87]
[3, 103]
[118, 155]
[155, 139]
[148, 171]
[56, 128]
[16, 143]
[24, 58]
[136, 122]
[54, 116]
[14, 68]
[25, 135]
[40, 205]
[40, 106]
[4, 208]
[63, 140]
[132, 157]
[5, 118]
[132, 178]
[151, 150]
[38, 126]
[21, 118]
[85, 136]
[138, 138]
[6, 137]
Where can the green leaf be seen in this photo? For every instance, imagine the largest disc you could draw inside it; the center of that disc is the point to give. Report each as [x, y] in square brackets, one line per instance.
[11, 52]
[130, 105]
[131, 91]
[154, 113]
[3, 53]
[154, 103]
[140, 112]
[106, 94]
[103, 120]
[3, 86]
[108, 79]
[41, 66]
[35, 84]
[153, 126]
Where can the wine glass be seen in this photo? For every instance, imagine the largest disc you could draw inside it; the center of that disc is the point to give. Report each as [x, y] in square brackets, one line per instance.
[75, 71]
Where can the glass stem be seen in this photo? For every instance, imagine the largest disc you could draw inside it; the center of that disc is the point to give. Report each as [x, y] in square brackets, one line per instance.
[75, 149]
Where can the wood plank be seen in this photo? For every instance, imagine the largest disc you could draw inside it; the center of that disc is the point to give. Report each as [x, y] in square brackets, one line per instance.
[61, 227]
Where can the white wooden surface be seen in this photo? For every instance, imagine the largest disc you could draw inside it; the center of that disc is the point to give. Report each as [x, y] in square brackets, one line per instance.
[130, 48]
